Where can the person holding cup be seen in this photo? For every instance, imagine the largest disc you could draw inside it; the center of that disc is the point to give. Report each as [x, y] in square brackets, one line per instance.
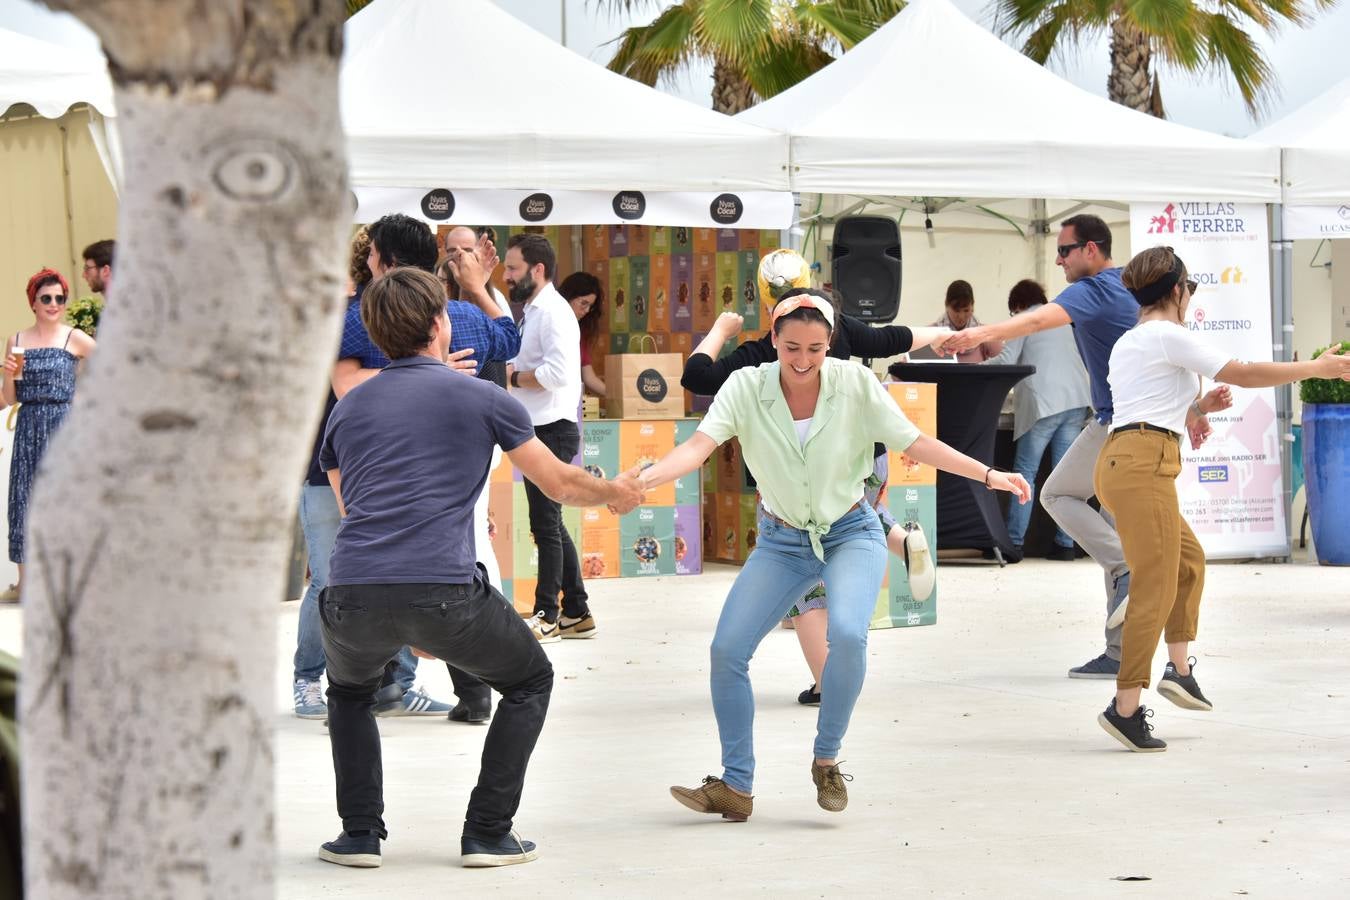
[39, 372]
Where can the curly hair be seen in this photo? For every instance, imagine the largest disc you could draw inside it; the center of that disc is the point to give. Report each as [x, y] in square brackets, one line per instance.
[357, 266]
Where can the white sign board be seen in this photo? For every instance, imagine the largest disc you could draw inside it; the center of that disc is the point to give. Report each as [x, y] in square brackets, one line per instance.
[1231, 490]
[1318, 222]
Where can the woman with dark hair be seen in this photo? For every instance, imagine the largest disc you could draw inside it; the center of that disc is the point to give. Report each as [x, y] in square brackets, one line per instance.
[1049, 406]
[705, 374]
[41, 363]
[586, 295]
[959, 314]
[807, 424]
[1155, 376]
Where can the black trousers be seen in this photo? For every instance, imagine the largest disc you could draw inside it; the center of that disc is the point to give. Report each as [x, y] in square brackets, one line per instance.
[471, 626]
[559, 567]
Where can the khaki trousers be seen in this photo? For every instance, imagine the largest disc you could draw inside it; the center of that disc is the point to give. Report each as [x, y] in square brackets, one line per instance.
[1135, 480]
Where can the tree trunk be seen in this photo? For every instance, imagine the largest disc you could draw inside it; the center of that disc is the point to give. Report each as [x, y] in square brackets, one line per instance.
[1131, 81]
[731, 91]
[163, 513]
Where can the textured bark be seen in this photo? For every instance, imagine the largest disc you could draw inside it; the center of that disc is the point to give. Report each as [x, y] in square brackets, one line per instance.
[1131, 81]
[164, 510]
[731, 90]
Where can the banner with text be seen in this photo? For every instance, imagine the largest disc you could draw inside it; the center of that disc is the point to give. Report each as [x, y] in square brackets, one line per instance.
[1230, 489]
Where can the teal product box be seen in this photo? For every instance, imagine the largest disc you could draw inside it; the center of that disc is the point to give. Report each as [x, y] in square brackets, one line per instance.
[600, 447]
[647, 542]
[909, 504]
[687, 490]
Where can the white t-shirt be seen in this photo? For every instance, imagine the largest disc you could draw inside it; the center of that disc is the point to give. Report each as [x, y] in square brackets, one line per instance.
[803, 427]
[1154, 373]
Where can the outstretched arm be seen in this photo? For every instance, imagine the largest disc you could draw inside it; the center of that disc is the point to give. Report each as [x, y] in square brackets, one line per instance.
[935, 453]
[678, 462]
[1043, 318]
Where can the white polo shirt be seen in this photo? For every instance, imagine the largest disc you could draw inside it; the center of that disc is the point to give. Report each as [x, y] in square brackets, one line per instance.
[550, 347]
[1155, 373]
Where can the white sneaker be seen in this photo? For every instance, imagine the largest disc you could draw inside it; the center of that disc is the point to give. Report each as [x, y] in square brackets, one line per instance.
[547, 632]
[919, 562]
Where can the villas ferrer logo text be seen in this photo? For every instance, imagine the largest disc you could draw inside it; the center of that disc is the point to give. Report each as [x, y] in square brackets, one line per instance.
[1198, 218]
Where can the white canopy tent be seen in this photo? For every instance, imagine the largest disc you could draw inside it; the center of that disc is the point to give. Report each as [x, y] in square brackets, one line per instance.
[934, 105]
[1315, 142]
[461, 108]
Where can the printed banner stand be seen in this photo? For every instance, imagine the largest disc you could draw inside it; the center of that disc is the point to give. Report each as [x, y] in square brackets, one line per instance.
[1230, 489]
[1317, 222]
[713, 209]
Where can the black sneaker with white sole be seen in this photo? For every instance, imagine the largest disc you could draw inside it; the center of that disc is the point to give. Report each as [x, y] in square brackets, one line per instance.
[360, 849]
[1183, 690]
[1134, 731]
[1101, 667]
[507, 850]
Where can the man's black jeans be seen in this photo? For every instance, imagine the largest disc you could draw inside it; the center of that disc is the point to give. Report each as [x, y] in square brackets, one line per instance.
[471, 626]
[559, 568]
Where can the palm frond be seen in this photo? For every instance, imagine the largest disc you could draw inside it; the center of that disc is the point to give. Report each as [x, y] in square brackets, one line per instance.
[1231, 49]
[827, 21]
[736, 31]
[648, 53]
[789, 60]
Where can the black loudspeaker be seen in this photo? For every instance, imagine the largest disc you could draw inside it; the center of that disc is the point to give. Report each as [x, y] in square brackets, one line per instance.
[865, 257]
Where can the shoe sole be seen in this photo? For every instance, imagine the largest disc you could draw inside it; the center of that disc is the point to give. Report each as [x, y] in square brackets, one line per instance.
[1110, 729]
[494, 860]
[1117, 617]
[1100, 676]
[689, 803]
[808, 702]
[579, 635]
[352, 860]
[322, 715]
[551, 639]
[1178, 695]
[922, 582]
[478, 719]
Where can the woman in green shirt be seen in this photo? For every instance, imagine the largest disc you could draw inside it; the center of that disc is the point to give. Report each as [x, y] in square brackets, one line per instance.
[806, 425]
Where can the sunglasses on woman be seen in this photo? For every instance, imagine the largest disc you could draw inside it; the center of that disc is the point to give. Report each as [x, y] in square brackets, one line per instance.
[49, 299]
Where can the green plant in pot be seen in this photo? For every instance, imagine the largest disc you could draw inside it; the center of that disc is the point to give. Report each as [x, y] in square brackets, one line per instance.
[1326, 463]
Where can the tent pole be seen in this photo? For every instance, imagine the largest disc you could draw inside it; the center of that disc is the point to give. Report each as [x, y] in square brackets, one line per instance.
[1282, 288]
[70, 210]
[1040, 227]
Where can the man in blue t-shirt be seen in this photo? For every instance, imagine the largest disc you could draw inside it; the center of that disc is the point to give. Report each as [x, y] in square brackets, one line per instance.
[1100, 310]
[404, 569]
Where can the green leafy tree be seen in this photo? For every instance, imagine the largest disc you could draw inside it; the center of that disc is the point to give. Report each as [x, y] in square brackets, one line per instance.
[758, 48]
[1202, 37]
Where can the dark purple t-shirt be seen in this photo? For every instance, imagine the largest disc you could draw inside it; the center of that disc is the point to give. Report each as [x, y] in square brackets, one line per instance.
[413, 445]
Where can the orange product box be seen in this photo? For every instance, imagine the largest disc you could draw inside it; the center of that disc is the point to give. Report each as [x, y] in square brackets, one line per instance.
[639, 240]
[730, 467]
[642, 443]
[919, 404]
[500, 515]
[658, 318]
[522, 597]
[705, 240]
[599, 543]
[727, 533]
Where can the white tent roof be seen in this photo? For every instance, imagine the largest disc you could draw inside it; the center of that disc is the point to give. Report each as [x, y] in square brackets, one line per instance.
[934, 105]
[462, 92]
[1316, 142]
[51, 78]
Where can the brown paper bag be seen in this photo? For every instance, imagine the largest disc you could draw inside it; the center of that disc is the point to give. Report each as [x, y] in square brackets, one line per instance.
[644, 385]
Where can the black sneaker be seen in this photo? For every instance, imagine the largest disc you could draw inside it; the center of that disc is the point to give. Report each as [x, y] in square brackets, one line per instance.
[1061, 554]
[1101, 667]
[473, 714]
[353, 848]
[508, 850]
[1135, 732]
[1183, 689]
[809, 697]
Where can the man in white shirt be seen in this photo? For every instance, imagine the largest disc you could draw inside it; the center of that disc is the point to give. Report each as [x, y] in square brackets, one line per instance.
[546, 379]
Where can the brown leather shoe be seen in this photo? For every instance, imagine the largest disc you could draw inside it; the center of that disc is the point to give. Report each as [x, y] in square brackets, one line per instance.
[713, 796]
[831, 792]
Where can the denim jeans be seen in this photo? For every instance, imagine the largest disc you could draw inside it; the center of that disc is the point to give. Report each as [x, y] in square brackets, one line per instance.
[559, 568]
[780, 569]
[319, 520]
[470, 626]
[1058, 432]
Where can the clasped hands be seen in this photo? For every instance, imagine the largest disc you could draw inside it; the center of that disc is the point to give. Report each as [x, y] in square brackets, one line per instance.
[631, 491]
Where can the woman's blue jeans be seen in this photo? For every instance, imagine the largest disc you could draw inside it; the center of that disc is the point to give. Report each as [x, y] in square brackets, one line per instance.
[780, 569]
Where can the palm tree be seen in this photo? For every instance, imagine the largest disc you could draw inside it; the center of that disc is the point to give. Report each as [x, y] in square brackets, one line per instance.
[1197, 36]
[757, 47]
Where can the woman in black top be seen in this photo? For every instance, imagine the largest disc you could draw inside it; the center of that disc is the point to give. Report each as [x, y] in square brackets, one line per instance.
[705, 374]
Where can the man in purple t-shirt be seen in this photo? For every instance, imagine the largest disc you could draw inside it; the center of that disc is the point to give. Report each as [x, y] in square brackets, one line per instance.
[1100, 310]
[404, 567]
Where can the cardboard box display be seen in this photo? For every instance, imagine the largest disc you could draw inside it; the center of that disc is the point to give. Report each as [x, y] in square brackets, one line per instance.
[919, 404]
[599, 547]
[596, 243]
[658, 321]
[618, 241]
[727, 240]
[617, 302]
[643, 443]
[705, 241]
[688, 540]
[600, 448]
[728, 296]
[660, 242]
[748, 239]
[647, 541]
[747, 274]
[681, 295]
[729, 466]
[639, 239]
[688, 488]
[896, 606]
[639, 292]
[705, 282]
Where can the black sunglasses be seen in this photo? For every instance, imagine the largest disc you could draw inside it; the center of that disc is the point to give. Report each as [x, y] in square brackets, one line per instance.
[49, 299]
[1190, 287]
[1065, 249]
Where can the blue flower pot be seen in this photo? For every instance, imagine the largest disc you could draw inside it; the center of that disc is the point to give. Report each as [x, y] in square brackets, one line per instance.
[1326, 468]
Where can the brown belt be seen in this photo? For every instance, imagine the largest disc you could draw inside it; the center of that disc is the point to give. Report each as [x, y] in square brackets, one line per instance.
[790, 525]
[1145, 426]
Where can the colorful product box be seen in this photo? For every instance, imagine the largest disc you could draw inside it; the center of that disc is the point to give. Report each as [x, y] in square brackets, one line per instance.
[643, 443]
[919, 404]
[660, 242]
[705, 283]
[748, 239]
[682, 240]
[619, 287]
[728, 294]
[896, 607]
[618, 241]
[747, 266]
[748, 534]
[639, 240]
[658, 320]
[681, 294]
[705, 240]
[599, 547]
[600, 448]
[688, 540]
[501, 515]
[728, 527]
[639, 292]
[596, 242]
[728, 239]
[688, 488]
[729, 467]
[647, 541]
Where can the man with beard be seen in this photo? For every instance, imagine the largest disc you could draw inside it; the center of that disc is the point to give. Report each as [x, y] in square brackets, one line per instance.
[98, 263]
[546, 379]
